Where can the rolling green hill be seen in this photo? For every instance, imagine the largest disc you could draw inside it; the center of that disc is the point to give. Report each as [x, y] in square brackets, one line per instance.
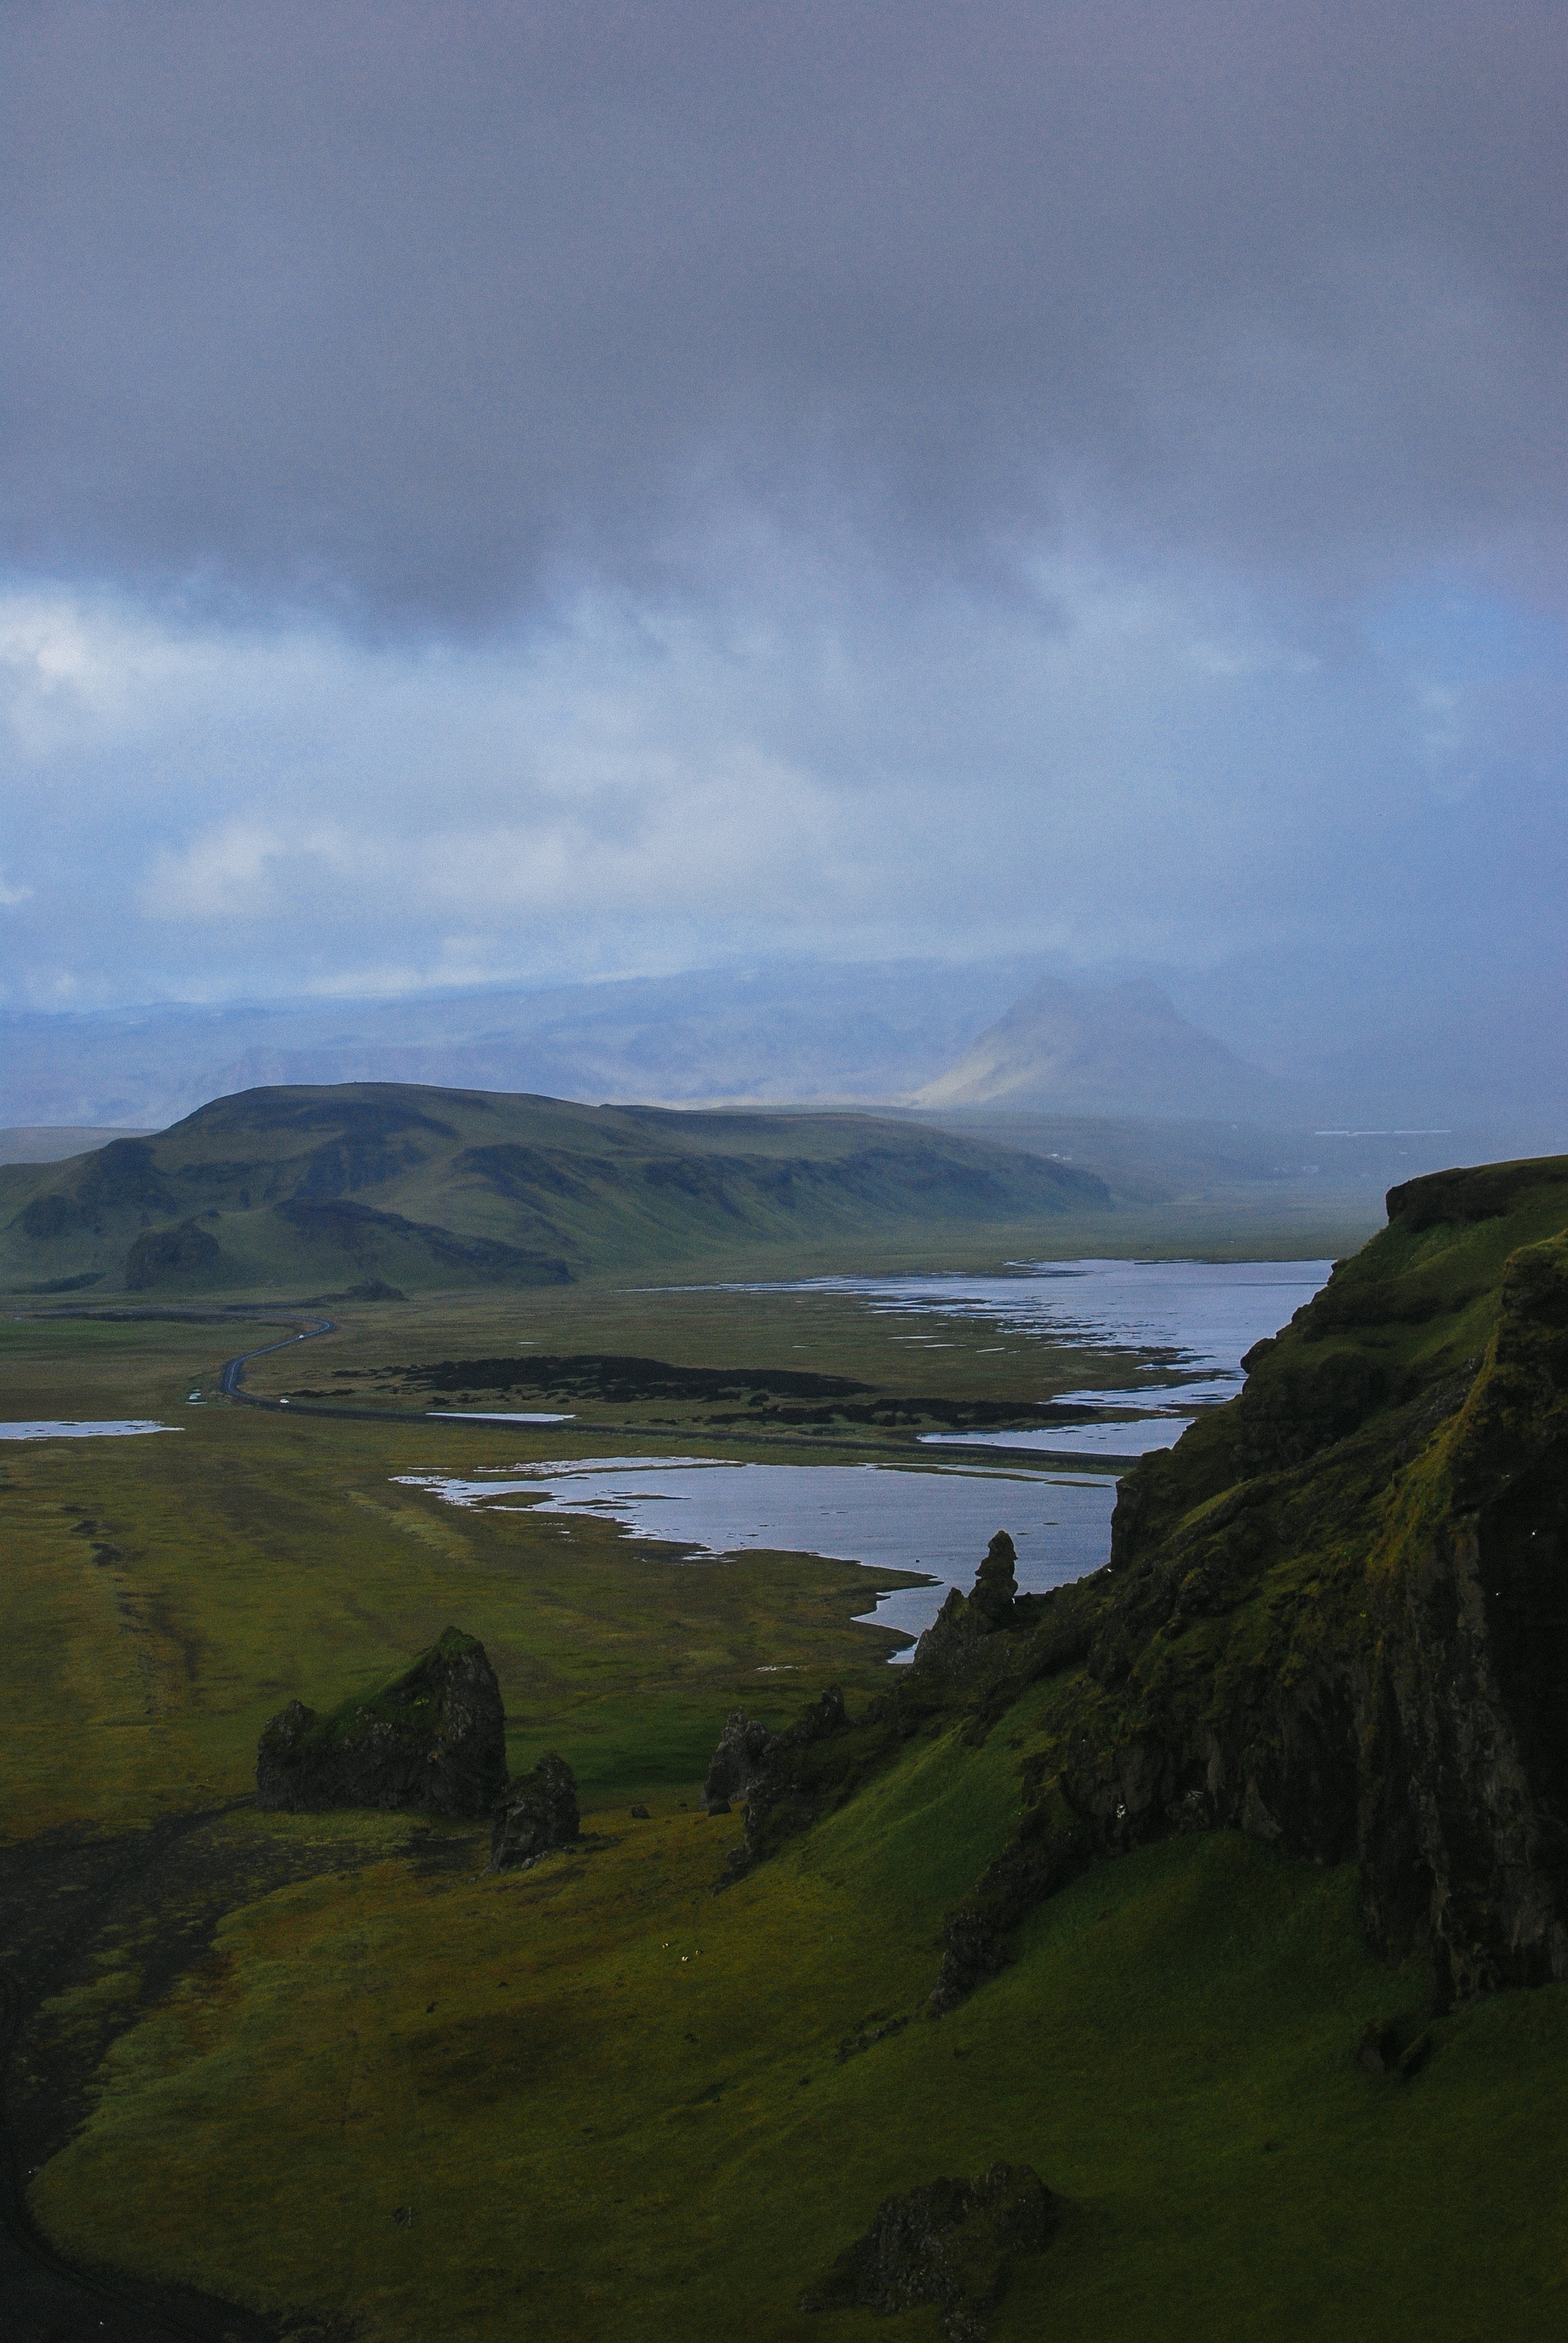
[383, 1184]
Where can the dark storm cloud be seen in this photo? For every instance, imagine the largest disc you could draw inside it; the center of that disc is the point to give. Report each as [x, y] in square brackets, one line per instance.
[414, 310]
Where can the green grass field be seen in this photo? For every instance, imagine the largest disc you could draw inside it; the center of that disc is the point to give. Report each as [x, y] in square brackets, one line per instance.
[331, 2070]
[598, 2101]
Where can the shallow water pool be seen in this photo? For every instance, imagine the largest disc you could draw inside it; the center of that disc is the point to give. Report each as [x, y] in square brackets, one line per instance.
[939, 1522]
[118, 1429]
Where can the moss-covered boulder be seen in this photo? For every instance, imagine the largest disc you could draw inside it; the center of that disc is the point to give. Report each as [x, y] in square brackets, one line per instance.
[538, 1812]
[433, 1738]
[949, 2243]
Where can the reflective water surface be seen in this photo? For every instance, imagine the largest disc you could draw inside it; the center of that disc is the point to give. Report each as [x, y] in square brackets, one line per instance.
[1188, 1323]
[1177, 1329]
[117, 1430]
[939, 1520]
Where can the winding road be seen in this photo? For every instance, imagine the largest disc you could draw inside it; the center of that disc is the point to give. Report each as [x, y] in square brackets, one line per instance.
[232, 1370]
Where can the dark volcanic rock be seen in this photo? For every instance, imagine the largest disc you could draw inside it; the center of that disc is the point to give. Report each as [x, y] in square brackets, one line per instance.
[782, 1776]
[996, 1581]
[958, 1643]
[736, 1761]
[949, 2243]
[433, 1738]
[1051, 1846]
[1379, 2047]
[537, 1812]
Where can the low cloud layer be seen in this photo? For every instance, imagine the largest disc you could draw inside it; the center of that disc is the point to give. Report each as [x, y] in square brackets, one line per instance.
[491, 492]
[1119, 771]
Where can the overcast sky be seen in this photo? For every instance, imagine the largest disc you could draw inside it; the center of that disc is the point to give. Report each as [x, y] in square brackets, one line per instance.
[539, 491]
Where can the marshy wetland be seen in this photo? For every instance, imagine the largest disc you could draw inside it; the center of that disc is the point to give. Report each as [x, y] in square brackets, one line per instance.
[326, 2075]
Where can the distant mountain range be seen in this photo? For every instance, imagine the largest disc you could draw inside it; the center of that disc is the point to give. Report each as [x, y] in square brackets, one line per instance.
[368, 1187]
[796, 1033]
[1003, 1034]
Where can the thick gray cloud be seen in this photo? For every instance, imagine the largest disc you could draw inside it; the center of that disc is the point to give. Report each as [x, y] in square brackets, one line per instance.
[410, 311]
[539, 492]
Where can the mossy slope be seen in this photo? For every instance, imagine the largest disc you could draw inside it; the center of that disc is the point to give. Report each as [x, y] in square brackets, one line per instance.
[596, 2102]
[1335, 1614]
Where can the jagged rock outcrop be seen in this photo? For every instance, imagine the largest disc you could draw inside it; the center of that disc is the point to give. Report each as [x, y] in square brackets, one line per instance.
[537, 1812]
[787, 1786]
[737, 1762]
[996, 1581]
[959, 1641]
[950, 2243]
[433, 1738]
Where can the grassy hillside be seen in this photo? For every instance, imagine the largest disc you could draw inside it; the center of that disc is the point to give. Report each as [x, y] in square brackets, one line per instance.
[316, 1190]
[595, 2101]
[1145, 1831]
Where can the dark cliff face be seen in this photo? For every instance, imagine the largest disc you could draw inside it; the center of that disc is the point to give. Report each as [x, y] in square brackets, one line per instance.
[1336, 1615]
[737, 1762]
[433, 1738]
[1464, 1828]
[787, 1780]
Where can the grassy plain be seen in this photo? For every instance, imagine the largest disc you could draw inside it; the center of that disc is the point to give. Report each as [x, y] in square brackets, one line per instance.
[329, 2069]
[165, 1596]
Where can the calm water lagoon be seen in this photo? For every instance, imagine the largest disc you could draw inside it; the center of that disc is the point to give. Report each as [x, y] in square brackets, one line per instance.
[939, 1520]
[1187, 1325]
[1177, 1330]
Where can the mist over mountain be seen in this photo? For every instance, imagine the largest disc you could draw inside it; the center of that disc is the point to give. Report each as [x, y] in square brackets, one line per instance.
[938, 1036]
[781, 1033]
[1120, 1049]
